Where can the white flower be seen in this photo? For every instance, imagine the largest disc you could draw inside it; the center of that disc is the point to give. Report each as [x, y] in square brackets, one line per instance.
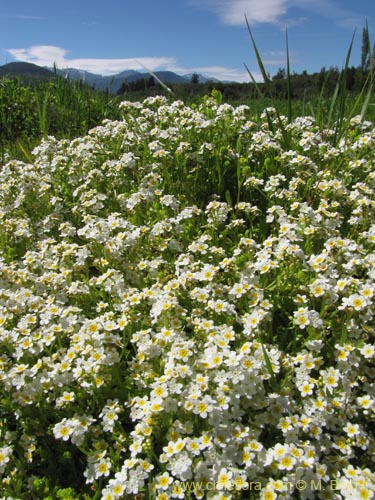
[63, 430]
[5, 454]
[367, 351]
[224, 480]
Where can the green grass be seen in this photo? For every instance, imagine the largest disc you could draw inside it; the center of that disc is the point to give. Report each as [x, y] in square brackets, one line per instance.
[62, 108]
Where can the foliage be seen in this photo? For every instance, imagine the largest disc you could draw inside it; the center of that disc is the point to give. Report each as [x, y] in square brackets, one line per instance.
[187, 295]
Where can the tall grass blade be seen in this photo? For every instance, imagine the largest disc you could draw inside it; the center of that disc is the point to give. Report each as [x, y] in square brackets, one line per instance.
[257, 87]
[319, 114]
[165, 87]
[370, 77]
[42, 107]
[266, 82]
[268, 363]
[258, 56]
[333, 103]
[25, 152]
[339, 130]
[366, 101]
[370, 51]
[288, 80]
[355, 106]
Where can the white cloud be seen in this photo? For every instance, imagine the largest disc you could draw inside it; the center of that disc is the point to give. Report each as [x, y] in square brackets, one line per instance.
[279, 58]
[42, 55]
[49, 55]
[232, 12]
[257, 11]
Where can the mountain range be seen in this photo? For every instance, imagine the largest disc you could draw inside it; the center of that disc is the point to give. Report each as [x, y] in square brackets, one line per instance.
[111, 83]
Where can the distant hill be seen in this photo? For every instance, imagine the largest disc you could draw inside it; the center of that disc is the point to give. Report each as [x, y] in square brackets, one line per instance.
[201, 78]
[25, 70]
[168, 77]
[111, 83]
[114, 82]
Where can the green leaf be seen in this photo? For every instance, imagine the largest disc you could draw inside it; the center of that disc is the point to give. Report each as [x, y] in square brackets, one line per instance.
[257, 87]
[267, 360]
[258, 56]
[157, 79]
[288, 80]
[228, 198]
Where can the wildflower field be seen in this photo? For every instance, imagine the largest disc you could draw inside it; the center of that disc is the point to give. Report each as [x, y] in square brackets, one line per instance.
[186, 309]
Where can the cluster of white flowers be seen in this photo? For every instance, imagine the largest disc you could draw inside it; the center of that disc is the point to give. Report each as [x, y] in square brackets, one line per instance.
[162, 340]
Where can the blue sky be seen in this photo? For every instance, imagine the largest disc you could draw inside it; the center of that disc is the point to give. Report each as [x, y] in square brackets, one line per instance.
[205, 36]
